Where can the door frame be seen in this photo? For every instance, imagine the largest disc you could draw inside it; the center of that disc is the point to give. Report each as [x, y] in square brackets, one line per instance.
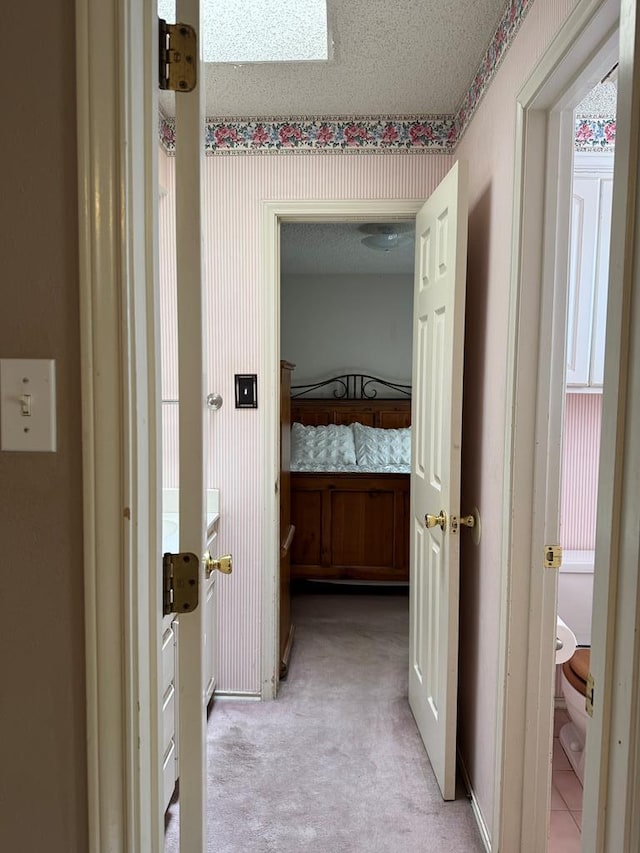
[274, 213]
[116, 47]
[525, 686]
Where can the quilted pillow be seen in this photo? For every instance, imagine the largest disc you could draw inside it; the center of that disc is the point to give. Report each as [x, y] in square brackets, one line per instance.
[376, 446]
[322, 445]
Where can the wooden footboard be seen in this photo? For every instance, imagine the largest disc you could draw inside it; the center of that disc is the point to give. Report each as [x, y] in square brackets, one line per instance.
[350, 526]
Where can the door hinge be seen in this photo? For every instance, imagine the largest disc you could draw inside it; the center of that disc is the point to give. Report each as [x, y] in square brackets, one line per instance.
[552, 556]
[591, 686]
[178, 56]
[180, 575]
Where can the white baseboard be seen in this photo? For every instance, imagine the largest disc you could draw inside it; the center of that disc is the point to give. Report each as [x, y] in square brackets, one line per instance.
[236, 696]
[482, 826]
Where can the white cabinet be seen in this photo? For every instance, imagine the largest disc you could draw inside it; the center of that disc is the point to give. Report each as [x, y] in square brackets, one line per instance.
[588, 269]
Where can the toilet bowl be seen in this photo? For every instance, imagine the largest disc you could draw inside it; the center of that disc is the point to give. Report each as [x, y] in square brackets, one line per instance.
[573, 735]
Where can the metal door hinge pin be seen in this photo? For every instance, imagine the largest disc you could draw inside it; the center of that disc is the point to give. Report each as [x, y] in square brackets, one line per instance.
[178, 51]
[180, 576]
[591, 686]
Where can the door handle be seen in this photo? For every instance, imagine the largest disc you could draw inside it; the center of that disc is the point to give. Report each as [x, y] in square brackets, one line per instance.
[222, 564]
[433, 520]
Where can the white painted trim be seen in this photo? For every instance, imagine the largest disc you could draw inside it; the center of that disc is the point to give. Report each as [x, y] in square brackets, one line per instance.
[115, 137]
[611, 822]
[485, 835]
[102, 412]
[598, 164]
[525, 682]
[273, 213]
[236, 696]
[192, 327]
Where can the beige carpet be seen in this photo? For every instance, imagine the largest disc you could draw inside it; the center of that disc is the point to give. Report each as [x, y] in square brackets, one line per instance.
[336, 764]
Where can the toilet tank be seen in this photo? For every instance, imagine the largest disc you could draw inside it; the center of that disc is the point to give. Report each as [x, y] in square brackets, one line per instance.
[575, 593]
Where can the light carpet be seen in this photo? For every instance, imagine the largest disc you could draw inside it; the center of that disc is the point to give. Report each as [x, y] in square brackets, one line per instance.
[335, 764]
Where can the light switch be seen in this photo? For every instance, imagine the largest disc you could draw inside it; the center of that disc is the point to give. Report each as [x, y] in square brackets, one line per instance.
[27, 404]
[246, 390]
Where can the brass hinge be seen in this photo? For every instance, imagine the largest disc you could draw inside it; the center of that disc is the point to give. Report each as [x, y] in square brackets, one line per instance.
[178, 56]
[552, 556]
[591, 686]
[180, 575]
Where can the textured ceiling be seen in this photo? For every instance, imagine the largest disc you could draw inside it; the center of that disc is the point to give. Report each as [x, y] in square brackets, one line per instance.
[335, 248]
[406, 57]
[601, 100]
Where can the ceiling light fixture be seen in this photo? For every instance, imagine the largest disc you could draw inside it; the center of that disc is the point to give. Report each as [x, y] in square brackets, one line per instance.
[384, 238]
[386, 242]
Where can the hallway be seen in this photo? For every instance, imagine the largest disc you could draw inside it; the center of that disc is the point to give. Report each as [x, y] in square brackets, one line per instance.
[335, 765]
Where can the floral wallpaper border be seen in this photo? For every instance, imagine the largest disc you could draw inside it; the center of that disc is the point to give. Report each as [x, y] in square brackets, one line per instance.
[416, 134]
[513, 15]
[377, 133]
[595, 133]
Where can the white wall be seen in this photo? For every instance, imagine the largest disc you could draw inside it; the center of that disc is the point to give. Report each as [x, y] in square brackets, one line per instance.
[347, 323]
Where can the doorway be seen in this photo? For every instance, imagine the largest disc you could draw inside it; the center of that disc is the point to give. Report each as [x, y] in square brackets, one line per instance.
[346, 334]
[274, 215]
[546, 132]
[590, 225]
[438, 351]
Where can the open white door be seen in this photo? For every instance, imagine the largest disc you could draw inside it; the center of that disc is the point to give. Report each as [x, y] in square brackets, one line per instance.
[438, 350]
[192, 456]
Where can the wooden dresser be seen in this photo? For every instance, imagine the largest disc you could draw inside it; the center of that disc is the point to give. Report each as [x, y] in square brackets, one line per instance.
[287, 530]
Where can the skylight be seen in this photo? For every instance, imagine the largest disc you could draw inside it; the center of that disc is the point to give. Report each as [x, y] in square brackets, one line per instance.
[237, 31]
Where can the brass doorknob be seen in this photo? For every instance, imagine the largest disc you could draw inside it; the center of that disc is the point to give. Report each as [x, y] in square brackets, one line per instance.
[433, 520]
[222, 564]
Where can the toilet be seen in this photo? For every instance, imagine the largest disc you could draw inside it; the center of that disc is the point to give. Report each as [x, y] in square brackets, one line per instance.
[573, 735]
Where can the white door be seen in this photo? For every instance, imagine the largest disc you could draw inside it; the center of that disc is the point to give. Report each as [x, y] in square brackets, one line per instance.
[438, 349]
[192, 455]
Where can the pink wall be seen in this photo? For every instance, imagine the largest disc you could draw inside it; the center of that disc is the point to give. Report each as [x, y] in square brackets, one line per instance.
[580, 458]
[488, 145]
[234, 189]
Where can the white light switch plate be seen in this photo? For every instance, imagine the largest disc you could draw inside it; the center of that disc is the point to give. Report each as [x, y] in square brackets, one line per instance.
[27, 404]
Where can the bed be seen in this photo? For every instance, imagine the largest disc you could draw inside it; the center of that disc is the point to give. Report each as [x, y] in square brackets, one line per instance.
[350, 508]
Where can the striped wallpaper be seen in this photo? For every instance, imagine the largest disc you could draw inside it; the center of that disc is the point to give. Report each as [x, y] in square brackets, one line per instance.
[581, 451]
[234, 187]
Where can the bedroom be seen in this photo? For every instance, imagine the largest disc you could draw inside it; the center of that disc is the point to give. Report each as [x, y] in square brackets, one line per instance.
[346, 299]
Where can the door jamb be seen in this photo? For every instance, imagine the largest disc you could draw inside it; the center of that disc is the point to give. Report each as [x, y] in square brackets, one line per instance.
[273, 214]
[526, 631]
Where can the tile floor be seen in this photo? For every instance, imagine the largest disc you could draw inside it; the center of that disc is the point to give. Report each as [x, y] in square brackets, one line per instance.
[566, 798]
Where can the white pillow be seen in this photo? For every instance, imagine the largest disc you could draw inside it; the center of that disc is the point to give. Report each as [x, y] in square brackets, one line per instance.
[376, 446]
[323, 445]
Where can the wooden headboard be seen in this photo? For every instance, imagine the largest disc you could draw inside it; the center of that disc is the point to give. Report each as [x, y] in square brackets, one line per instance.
[388, 414]
[353, 398]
